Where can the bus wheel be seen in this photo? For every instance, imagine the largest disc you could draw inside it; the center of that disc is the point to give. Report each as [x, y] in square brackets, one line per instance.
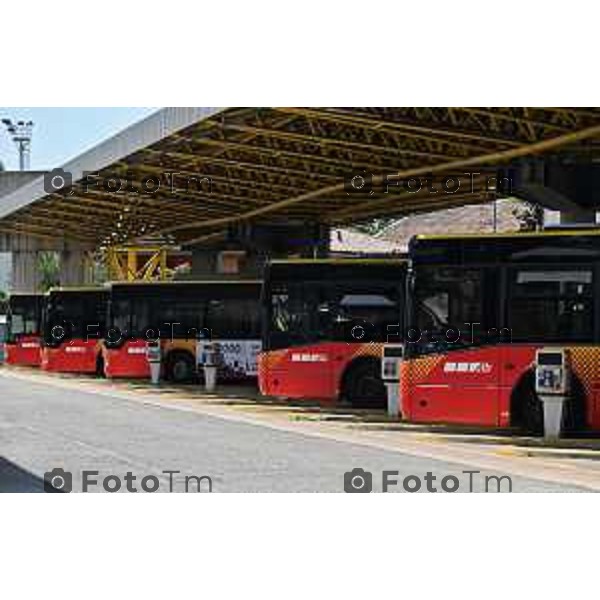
[526, 412]
[362, 386]
[180, 367]
[533, 413]
[100, 366]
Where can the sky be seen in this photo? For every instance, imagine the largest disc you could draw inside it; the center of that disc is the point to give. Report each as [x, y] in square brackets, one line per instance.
[60, 134]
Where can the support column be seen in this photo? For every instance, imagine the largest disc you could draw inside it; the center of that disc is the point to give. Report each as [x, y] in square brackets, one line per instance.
[25, 273]
[73, 267]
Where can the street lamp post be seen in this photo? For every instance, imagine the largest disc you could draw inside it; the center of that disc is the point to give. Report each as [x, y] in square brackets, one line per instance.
[20, 133]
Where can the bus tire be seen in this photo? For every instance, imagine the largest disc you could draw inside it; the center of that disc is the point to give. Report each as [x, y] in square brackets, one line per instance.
[575, 418]
[362, 386]
[180, 367]
[100, 366]
[527, 412]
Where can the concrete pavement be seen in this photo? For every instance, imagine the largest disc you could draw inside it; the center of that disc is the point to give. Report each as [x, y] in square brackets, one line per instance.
[47, 423]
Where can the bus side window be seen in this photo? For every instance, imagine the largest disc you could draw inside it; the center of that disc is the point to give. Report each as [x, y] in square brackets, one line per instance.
[551, 304]
[233, 318]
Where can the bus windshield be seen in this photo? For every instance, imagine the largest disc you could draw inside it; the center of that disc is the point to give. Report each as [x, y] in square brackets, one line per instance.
[24, 314]
[474, 292]
[81, 312]
[190, 310]
[326, 306]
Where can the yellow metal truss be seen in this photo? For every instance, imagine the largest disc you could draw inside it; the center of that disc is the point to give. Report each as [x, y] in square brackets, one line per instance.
[124, 263]
[290, 164]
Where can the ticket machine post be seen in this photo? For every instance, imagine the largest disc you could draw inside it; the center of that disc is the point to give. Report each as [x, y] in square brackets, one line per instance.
[390, 374]
[210, 364]
[154, 356]
[552, 386]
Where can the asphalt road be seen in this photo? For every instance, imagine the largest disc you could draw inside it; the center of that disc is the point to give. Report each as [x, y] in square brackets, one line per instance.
[45, 427]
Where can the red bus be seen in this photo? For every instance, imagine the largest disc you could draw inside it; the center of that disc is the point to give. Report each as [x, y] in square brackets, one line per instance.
[23, 329]
[324, 325]
[73, 326]
[185, 315]
[481, 306]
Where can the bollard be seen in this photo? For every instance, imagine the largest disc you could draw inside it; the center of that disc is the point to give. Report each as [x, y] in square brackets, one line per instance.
[153, 354]
[552, 385]
[390, 374]
[553, 414]
[393, 399]
[210, 367]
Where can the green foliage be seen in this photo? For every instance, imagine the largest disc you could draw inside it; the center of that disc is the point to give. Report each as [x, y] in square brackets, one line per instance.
[530, 216]
[374, 226]
[49, 270]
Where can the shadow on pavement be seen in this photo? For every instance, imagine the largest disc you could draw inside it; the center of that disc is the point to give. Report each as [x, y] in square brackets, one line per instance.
[14, 479]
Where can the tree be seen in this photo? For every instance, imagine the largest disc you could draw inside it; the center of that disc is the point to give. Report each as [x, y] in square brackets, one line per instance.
[530, 216]
[374, 226]
[48, 269]
[3, 302]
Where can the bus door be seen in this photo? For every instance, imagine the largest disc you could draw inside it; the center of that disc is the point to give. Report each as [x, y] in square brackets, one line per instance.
[454, 372]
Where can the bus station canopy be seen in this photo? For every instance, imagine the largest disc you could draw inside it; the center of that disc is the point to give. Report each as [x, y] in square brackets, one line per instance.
[217, 167]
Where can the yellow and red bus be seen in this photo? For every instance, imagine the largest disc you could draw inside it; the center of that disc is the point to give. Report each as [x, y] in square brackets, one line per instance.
[324, 325]
[73, 326]
[481, 307]
[23, 329]
[184, 316]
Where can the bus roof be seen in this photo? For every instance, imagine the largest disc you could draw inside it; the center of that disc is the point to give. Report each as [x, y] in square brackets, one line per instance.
[26, 294]
[186, 282]
[336, 270]
[547, 246]
[512, 234]
[338, 261]
[76, 289]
